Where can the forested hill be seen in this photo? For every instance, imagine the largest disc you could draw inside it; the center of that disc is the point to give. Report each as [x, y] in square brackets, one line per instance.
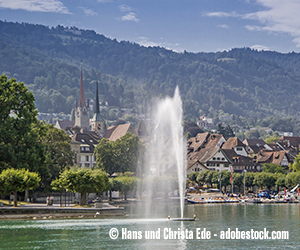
[241, 81]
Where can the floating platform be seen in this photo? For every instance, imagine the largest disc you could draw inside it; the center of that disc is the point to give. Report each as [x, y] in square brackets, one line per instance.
[182, 219]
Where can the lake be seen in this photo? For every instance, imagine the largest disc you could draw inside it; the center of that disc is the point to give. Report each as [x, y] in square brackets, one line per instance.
[247, 226]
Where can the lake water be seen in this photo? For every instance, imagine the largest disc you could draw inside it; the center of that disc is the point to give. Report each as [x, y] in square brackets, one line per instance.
[218, 220]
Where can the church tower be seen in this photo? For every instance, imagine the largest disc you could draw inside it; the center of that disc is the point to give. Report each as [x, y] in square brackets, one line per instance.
[82, 112]
[97, 122]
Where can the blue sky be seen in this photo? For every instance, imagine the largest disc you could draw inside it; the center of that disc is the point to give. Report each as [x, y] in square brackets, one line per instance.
[191, 25]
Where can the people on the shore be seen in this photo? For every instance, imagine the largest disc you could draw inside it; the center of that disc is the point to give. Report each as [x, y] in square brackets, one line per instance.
[51, 200]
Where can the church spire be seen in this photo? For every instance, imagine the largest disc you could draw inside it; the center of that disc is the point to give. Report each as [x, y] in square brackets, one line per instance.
[97, 110]
[81, 95]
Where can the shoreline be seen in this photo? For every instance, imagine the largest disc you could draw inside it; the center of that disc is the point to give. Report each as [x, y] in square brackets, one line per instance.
[39, 211]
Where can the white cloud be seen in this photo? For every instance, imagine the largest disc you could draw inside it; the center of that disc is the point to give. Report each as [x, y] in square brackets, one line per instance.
[144, 41]
[279, 17]
[224, 26]
[35, 5]
[88, 12]
[130, 17]
[221, 14]
[125, 8]
[259, 47]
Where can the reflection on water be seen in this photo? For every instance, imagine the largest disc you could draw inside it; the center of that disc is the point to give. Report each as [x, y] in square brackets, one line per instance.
[94, 233]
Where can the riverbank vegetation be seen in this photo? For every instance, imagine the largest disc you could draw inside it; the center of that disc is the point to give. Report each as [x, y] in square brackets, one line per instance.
[273, 176]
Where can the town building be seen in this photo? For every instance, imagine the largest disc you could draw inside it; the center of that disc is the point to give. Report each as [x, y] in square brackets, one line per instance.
[82, 110]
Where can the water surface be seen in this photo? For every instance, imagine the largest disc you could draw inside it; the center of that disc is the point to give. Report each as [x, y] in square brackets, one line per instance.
[215, 218]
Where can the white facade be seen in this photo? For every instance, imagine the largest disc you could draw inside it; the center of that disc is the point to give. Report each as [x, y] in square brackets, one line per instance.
[240, 150]
[87, 159]
[218, 162]
[196, 167]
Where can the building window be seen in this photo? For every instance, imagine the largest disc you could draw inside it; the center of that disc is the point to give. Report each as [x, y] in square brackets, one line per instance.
[223, 159]
[218, 158]
[86, 158]
[239, 149]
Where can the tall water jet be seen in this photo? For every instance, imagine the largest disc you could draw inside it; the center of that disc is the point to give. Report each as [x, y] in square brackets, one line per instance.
[166, 154]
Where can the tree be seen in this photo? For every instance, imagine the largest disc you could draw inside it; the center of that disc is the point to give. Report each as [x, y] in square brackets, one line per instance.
[249, 179]
[252, 134]
[13, 181]
[124, 184]
[296, 165]
[273, 168]
[105, 156]
[292, 179]
[192, 128]
[225, 179]
[19, 138]
[201, 178]
[281, 181]
[238, 179]
[128, 149]
[209, 177]
[82, 180]
[272, 139]
[121, 155]
[264, 179]
[193, 176]
[228, 132]
[57, 149]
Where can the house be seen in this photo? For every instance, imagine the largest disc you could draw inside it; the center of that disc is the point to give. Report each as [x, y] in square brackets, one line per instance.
[195, 166]
[280, 157]
[64, 125]
[204, 140]
[240, 162]
[215, 159]
[87, 141]
[291, 141]
[205, 123]
[253, 146]
[141, 130]
[235, 144]
[116, 132]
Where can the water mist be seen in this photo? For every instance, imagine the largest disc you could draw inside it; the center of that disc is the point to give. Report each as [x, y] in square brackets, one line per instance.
[165, 165]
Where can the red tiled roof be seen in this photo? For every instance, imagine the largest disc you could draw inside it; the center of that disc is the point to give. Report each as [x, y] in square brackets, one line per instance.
[266, 156]
[66, 124]
[115, 132]
[232, 142]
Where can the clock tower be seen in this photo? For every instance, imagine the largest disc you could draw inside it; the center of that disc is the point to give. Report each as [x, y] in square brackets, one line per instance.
[97, 123]
[82, 111]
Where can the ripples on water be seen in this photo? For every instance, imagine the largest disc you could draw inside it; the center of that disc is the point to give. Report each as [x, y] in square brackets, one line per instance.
[94, 233]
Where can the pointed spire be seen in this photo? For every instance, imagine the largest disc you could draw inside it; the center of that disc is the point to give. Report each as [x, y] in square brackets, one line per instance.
[97, 110]
[81, 95]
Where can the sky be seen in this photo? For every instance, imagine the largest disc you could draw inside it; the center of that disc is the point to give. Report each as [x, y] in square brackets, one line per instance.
[191, 25]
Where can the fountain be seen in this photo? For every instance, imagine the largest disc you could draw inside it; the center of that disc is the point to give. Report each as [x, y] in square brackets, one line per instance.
[165, 165]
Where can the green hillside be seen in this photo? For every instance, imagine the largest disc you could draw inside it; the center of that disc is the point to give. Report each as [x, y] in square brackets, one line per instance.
[243, 82]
